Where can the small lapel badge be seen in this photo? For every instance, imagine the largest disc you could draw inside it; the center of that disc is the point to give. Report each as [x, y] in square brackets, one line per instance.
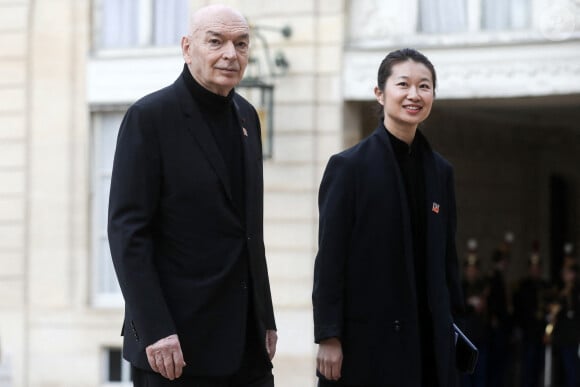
[245, 131]
[435, 208]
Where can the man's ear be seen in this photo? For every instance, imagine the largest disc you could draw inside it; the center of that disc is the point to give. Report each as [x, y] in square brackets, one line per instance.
[185, 45]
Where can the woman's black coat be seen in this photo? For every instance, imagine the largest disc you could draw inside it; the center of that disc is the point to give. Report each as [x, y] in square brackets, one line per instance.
[364, 279]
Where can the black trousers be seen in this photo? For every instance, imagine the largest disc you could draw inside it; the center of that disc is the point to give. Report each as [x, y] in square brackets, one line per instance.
[151, 379]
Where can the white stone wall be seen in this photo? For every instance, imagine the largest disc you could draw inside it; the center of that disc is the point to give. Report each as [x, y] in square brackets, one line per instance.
[14, 105]
[50, 335]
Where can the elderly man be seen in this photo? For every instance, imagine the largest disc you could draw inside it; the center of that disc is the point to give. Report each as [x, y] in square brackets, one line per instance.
[186, 221]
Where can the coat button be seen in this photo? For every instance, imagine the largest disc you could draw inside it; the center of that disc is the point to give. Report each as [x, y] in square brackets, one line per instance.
[135, 334]
[244, 285]
[397, 325]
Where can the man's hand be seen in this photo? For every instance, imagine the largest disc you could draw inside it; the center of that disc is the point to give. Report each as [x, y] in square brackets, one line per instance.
[271, 340]
[165, 357]
[329, 358]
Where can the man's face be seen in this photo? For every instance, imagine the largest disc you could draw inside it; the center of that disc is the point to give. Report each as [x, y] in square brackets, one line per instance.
[217, 51]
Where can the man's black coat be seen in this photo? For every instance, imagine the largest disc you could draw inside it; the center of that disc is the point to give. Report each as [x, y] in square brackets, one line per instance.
[179, 245]
[364, 278]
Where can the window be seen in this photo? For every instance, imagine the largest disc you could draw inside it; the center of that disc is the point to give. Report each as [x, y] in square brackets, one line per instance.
[505, 14]
[455, 16]
[106, 291]
[116, 370]
[442, 16]
[141, 23]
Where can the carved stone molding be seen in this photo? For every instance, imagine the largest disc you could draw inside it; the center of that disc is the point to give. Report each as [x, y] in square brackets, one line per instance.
[490, 72]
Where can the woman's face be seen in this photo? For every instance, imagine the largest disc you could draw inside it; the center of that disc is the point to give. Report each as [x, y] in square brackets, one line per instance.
[407, 96]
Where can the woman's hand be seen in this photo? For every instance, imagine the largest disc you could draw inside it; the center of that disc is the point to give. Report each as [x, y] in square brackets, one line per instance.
[329, 358]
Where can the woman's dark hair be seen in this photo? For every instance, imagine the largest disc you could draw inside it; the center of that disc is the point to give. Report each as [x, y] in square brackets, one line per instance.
[402, 55]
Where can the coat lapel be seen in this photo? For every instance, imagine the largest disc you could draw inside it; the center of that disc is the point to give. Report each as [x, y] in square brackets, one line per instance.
[435, 207]
[202, 135]
[249, 154]
[406, 216]
[437, 217]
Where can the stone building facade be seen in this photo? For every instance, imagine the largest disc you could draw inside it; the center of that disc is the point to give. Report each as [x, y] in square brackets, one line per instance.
[507, 115]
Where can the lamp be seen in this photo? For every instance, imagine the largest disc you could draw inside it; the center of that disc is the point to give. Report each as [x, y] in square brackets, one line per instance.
[256, 85]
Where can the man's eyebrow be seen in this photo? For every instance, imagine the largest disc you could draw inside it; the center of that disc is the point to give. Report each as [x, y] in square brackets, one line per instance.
[221, 35]
[210, 32]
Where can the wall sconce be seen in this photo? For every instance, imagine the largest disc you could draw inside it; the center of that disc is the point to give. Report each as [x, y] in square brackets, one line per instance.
[256, 86]
[261, 95]
[279, 65]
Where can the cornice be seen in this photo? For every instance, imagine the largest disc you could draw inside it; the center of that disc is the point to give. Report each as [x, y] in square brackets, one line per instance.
[479, 72]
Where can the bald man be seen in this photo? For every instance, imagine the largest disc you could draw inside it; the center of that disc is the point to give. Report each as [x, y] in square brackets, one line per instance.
[186, 221]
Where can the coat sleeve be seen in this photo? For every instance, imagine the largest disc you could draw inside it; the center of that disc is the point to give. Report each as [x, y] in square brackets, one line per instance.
[133, 203]
[451, 259]
[336, 208]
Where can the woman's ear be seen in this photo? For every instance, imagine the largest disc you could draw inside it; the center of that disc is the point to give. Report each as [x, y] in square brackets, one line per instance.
[380, 96]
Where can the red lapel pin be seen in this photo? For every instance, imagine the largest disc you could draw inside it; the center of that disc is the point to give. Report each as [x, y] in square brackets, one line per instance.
[435, 208]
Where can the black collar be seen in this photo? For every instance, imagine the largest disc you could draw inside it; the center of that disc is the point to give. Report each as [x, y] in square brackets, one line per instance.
[402, 149]
[206, 99]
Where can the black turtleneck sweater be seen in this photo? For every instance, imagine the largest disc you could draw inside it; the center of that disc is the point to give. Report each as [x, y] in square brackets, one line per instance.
[219, 114]
[410, 161]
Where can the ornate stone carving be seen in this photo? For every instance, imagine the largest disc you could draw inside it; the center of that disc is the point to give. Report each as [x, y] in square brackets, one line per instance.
[520, 70]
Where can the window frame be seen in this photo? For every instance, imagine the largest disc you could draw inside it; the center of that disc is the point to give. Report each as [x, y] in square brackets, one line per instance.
[145, 30]
[100, 299]
[370, 38]
[126, 379]
[475, 23]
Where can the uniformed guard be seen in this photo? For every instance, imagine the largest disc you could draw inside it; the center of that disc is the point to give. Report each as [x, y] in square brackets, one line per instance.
[476, 320]
[530, 312]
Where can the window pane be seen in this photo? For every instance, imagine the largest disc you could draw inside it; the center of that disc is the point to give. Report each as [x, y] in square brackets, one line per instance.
[119, 25]
[108, 283]
[170, 22]
[102, 205]
[520, 14]
[110, 123]
[115, 365]
[442, 16]
[105, 137]
[505, 14]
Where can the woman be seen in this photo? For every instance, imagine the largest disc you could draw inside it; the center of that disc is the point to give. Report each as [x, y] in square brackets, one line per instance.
[386, 276]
